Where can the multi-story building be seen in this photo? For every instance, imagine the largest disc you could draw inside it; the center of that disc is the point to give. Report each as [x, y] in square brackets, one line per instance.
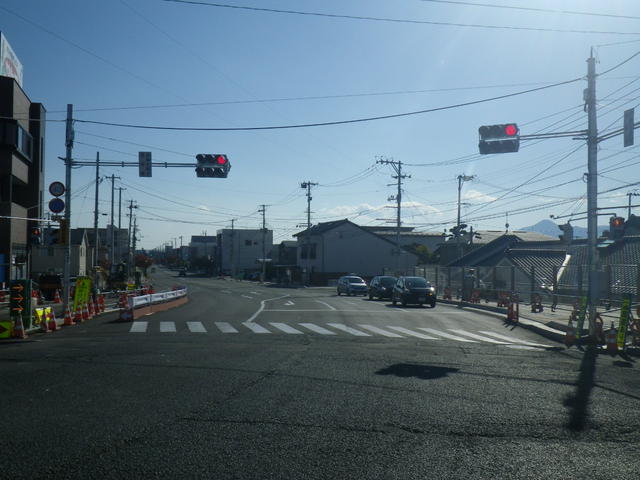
[22, 142]
[241, 250]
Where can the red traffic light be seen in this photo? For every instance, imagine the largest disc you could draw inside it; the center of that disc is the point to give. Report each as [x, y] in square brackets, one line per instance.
[510, 130]
[35, 231]
[221, 160]
[617, 222]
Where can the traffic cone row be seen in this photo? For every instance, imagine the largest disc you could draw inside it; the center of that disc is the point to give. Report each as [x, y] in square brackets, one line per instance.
[56, 297]
[18, 328]
[52, 323]
[68, 321]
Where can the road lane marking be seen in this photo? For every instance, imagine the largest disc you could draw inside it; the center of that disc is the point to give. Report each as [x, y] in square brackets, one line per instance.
[167, 327]
[255, 328]
[406, 331]
[513, 339]
[247, 296]
[479, 337]
[315, 328]
[324, 303]
[138, 327]
[288, 302]
[380, 331]
[225, 327]
[348, 302]
[446, 335]
[256, 293]
[196, 327]
[524, 347]
[352, 331]
[262, 303]
[286, 328]
[323, 310]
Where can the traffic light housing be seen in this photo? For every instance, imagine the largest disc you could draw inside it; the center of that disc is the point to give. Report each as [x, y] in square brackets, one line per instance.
[35, 236]
[501, 138]
[212, 165]
[616, 228]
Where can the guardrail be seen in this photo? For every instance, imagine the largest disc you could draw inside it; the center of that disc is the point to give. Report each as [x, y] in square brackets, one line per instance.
[155, 298]
[140, 305]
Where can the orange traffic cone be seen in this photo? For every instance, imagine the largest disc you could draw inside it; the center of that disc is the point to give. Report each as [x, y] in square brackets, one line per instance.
[570, 336]
[85, 313]
[101, 302]
[612, 341]
[123, 300]
[51, 321]
[67, 317]
[78, 315]
[90, 309]
[56, 297]
[18, 328]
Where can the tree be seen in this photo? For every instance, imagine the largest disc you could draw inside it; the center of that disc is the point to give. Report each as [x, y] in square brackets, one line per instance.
[422, 252]
[143, 261]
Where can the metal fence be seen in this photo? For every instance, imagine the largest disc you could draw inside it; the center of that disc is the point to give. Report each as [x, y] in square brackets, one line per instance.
[551, 284]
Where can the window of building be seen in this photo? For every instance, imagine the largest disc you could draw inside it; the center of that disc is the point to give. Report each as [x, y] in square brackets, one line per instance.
[308, 251]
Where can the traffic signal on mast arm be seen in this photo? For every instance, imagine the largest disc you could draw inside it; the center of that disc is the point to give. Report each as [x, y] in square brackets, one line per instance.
[502, 138]
[212, 165]
[35, 236]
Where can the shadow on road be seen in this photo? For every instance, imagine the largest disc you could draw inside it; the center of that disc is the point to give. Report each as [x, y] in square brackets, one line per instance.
[423, 372]
[578, 402]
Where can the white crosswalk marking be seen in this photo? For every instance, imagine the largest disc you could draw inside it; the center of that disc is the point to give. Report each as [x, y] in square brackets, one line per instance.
[352, 331]
[286, 328]
[315, 328]
[479, 337]
[225, 327]
[255, 328]
[406, 331]
[446, 335]
[512, 339]
[167, 327]
[138, 327]
[196, 327]
[380, 331]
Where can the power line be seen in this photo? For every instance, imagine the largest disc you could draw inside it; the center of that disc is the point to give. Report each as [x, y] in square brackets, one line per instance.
[392, 20]
[336, 122]
[533, 9]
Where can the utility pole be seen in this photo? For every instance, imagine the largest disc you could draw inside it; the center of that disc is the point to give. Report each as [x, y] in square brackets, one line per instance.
[112, 240]
[263, 211]
[631, 194]
[233, 245]
[135, 229]
[461, 179]
[95, 224]
[592, 191]
[119, 237]
[397, 166]
[67, 209]
[308, 184]
[129, 242]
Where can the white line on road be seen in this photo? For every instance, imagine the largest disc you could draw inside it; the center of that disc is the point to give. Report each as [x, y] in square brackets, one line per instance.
[256, 293]
[315, 328]
[262, 302]
[412, 333]
[255, 328]
[380, 331]
[225, 327]
[478, 337]
[350, 330]
[167, 327]
[288, 302]
[446, 335]
[138, 327]
[196, 327]
[286, 328]
[513, 340]
[324, 303]
[247, 296]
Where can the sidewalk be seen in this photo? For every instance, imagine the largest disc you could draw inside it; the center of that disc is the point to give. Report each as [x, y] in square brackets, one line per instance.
[551, 325]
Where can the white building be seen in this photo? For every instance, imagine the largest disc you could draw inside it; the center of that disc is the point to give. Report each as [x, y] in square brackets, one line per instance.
[242, 250]
[330, 249]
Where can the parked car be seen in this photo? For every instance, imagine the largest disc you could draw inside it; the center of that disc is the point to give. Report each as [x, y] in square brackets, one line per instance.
[182, 272]
[352, 285]
[381, 286]
[414, 290]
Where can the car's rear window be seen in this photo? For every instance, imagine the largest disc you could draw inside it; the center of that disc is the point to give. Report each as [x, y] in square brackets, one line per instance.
[416, 282]
[355, 280]
[388, 281]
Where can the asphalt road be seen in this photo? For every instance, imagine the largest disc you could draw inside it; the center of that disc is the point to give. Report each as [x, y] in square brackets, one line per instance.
[252, 382]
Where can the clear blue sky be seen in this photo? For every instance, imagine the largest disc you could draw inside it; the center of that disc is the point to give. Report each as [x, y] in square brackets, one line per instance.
[251, 68]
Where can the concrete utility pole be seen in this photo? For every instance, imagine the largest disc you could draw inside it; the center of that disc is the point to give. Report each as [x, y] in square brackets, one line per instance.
[631, 194]
[95, 224]
[308, 184]
[461, 179]
[66, 274]
[397, 166]
[129, 243]
[592, 191]
[233, 246]
[113, 237]
[263, 210]
[119, 238]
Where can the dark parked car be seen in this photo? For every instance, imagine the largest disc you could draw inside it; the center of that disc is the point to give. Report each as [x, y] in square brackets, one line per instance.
[381, 286]
[414, 290]
[182, 272]
[352, 285]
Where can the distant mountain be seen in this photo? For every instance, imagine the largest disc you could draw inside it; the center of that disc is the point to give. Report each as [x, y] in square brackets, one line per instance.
[547, 227]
